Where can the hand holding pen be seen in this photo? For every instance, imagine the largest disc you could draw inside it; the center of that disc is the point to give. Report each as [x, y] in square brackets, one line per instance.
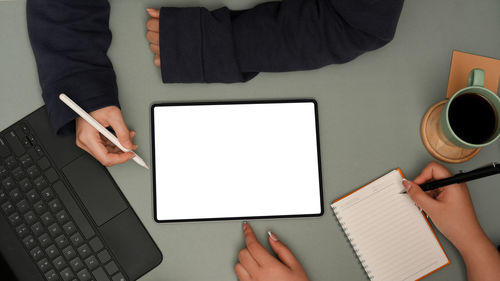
[451, 210]
[478, 173]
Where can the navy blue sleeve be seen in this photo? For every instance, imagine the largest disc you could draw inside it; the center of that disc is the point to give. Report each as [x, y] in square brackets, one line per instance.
[70, 39]
[197, 45]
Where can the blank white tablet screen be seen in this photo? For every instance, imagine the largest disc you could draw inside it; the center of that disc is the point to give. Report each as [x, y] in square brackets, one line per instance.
[236, 161]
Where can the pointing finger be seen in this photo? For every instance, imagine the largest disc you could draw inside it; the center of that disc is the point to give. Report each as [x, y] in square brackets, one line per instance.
[260, 254]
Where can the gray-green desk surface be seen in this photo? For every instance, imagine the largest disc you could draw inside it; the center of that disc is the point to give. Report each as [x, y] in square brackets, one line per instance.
[370, 111]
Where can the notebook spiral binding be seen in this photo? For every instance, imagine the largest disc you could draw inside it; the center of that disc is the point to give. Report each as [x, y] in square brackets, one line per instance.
[353, 244]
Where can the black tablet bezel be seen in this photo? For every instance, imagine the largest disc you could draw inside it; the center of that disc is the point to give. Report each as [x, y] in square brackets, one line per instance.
[153, 106]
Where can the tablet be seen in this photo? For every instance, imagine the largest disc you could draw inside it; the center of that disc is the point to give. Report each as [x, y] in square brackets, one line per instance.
[236, 160]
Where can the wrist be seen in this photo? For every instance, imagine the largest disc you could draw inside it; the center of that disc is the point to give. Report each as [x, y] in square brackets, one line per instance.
[475, 245]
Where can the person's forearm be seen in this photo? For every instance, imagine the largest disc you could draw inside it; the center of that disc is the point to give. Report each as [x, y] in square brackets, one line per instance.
[70, 40]
[482, 260]
[232, 46]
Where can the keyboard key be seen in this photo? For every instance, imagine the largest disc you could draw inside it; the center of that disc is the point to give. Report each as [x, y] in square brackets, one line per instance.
[26, 161]
[40, 183]
[33, 154]
[84, 251]
[104, 256]
[119, 277]
[37, 229]
[91, 262]
[55, 230]
[73, 209]
[100, 275]
[29, 242]
[11, 163]
[69, 228]
[67, 274]
[44, 265]
[15, 219]
[3, 196]
[76, 239]
[25, 185]
[3, 172]
[39, 150]
[47, 194]
[96, 244]
[111, 268]
[52, 251]
[43, 163]
[22, 230]
[40, 207]
[62, 241]
[30, 217]
[33, 172]
[51, 175]
[16, 195]
[23, 206]
[8, 183]
[18, 173]
[26, 142]
[59, 263]
[55, 205]
[51, 276]
[76, 264]
[36, 253]
[84, 275]
[33, 196]
[44, 240]
[4, 149]
[24, 127]
[14, 143]
[47, 218]
[8, 208]
[62, 217]
[69, 253]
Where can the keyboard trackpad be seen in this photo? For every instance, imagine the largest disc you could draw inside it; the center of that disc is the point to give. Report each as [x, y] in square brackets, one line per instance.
[95, 188]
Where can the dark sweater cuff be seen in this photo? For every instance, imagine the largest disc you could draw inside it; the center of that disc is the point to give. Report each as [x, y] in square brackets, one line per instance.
[197, 46]
[91, 90]
[180, 45]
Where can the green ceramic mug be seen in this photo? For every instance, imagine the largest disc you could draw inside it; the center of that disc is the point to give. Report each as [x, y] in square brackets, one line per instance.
[470, 117]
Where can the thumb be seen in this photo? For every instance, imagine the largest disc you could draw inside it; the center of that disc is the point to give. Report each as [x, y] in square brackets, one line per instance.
[282, 251]
[422, 199]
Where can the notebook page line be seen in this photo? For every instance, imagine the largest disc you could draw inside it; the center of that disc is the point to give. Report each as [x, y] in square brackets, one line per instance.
[405, 276]
[408, 263]
[384, 213]
[359, 220]
[386, 244]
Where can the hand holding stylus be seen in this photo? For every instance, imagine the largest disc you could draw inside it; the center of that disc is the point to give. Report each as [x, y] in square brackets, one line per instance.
[102, 144]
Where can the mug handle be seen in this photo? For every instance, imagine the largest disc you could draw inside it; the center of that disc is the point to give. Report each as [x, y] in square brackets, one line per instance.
[476, 77]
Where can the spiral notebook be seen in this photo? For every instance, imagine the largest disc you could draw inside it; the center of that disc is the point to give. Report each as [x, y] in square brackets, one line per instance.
[390, 235]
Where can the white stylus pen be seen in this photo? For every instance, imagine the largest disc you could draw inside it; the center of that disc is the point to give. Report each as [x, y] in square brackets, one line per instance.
[99, 128]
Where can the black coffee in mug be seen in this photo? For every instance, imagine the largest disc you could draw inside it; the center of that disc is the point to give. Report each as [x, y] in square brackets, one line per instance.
[472, 118]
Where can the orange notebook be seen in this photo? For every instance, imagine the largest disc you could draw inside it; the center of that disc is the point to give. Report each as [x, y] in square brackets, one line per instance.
[390, 235]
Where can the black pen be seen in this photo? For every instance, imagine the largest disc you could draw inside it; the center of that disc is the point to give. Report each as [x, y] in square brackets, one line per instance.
[489, 170]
